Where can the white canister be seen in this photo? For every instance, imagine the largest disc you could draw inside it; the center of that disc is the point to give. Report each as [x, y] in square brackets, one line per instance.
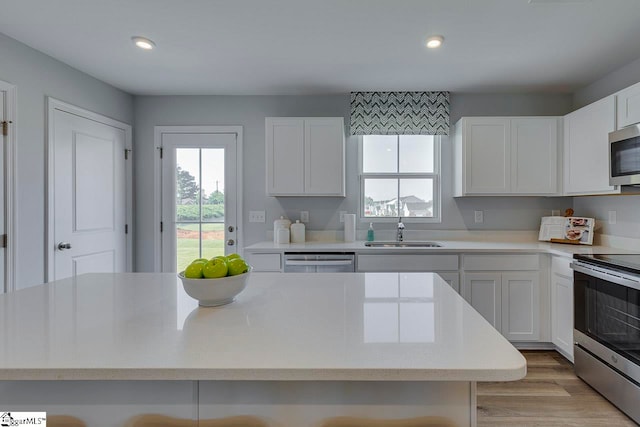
[350, 228]
[297, 232]
[282, 236]
[279, 224]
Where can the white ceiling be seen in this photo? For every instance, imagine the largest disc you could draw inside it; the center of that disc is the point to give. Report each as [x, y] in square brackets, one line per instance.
[332, 46]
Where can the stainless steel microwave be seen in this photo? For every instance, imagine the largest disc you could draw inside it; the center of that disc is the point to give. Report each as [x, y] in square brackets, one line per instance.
[624, 156]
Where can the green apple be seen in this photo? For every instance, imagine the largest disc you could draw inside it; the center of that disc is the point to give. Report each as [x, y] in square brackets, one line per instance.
[237, 266]
[233, 256]
[201, 260]
[193, 271]
[215, 268]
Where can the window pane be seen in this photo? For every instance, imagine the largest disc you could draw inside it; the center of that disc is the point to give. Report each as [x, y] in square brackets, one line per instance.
[187, 244]
[212, 236]
[416, 154]
[380, 197]
[379, 154]
[213, 184]
[416, 197]
[188, 178]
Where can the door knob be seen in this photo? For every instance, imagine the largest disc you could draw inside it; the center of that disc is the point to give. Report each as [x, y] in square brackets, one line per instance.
[62, 246]
[231, 242]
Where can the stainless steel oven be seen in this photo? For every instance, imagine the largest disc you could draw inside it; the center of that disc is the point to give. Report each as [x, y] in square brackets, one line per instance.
[607, 327]
[624, 156]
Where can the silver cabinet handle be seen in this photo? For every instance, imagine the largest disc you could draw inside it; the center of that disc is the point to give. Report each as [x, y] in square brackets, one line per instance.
[231, 242]
[62, 246]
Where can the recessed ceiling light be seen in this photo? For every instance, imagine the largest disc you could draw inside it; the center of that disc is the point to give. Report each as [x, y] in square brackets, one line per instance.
[143, 42]
[434, 42]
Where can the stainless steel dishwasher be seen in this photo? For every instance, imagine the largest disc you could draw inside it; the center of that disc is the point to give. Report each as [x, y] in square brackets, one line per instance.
[319, 262]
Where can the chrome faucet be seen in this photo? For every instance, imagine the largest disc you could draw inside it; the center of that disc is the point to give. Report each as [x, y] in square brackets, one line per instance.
[400, 235]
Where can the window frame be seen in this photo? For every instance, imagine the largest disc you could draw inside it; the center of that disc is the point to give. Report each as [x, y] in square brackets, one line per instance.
[435, 176]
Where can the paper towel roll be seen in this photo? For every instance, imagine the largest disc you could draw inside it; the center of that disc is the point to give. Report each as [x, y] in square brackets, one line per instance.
[350, 227]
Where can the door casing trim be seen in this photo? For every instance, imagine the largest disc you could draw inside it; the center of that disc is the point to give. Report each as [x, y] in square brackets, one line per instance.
[158, 131]
[11, 217]
[55, 104]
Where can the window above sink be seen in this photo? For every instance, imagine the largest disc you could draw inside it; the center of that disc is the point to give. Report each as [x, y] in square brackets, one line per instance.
[400, 177]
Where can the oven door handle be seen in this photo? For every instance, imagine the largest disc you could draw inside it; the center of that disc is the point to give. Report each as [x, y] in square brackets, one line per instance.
[606, 275]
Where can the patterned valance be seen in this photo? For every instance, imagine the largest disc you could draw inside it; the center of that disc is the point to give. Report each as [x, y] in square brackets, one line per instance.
[399, 113]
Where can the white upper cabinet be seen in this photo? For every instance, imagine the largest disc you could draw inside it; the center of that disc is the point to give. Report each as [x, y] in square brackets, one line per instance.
[628, 106]
[586, 148]
[506, 156]
[534, 155]
[305, 156]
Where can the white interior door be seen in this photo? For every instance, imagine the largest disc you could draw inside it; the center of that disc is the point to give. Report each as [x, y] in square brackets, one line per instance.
[199, 197]
[89, 195]
[3, 169]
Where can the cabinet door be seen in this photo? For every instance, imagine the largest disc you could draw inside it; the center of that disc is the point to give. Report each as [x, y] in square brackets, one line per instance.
[629, 106]
[487, 160]
[534, 155]
[285, 155]
[453, 279]
[521, 306]
[562, 314]
[264, 262]
[324, 156]
[586, 148]
[482, 291]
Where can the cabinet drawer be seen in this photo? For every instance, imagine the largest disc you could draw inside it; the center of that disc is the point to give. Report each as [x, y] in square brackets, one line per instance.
[407, 262]
[265, 262]
[500, 262]
[560, 265]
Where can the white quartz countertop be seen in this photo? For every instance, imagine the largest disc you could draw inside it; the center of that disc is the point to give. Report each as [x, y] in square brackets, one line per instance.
[334, 326]
[448, 246]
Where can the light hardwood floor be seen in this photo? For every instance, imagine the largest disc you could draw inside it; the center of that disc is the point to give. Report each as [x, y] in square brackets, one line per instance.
[550, 395]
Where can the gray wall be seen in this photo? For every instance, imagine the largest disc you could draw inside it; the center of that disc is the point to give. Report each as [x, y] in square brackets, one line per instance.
[37, 76]
[520, 213]
[626, 207]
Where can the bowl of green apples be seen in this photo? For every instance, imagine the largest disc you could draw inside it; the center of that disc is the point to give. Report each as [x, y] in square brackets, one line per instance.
[216, 281]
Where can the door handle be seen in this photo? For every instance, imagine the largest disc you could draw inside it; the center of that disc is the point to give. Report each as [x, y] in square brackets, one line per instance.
[231, 242]
[62, 246]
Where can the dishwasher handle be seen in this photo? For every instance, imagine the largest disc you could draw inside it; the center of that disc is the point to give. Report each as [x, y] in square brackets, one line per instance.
[315, 263]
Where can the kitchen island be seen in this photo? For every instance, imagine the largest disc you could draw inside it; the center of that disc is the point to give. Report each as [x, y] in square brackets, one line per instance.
[292, 350]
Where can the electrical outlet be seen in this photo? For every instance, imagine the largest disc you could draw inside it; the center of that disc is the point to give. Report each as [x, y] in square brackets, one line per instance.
[612, 217]
[478, 216]
[555, 212]
[256, 216]
[342, 214]
[304, 216]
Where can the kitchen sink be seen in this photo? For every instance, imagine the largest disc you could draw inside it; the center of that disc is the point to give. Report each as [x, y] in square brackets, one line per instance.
[412, 244]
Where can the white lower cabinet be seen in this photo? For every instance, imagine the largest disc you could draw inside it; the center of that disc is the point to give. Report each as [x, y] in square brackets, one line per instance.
[484, 292]
[510, 298]
[446, 265]
[562, 306]
[264, 261]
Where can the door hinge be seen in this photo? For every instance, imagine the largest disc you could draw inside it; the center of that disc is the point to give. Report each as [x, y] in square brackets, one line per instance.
[5, 127]
[126, 229]
[3, 241]
[126, 153]
[161, 226]
[161, 152]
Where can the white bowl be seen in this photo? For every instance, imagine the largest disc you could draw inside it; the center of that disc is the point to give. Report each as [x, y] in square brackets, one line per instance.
[214, 292]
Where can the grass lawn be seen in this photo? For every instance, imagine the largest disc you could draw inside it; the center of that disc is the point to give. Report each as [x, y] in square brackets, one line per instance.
[188, 244]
